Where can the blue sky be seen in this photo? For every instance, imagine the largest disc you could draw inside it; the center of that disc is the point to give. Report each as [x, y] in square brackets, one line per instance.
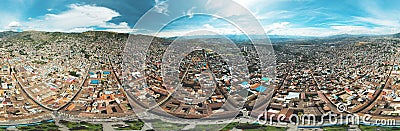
[277, 17]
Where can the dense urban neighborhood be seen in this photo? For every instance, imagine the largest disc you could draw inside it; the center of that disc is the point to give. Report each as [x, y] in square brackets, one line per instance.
[91, 77]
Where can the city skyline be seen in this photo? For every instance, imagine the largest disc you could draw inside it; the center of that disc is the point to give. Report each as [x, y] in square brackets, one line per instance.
[278, 17]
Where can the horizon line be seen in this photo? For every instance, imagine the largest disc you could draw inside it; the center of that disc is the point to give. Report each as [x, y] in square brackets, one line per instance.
[133, 33]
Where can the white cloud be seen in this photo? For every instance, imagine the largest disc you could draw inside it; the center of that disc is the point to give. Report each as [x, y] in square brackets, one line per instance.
[376, 21]
[49, 9]
[276, 26]
[261, 9]
[190, 12]
[287, 28]
[364, 30]
[333, 30]
[14, 24]
[385, 16]
[6, 19]
[376, 10]
[78, 18]
[350, 29]
[224, 8]
[281, 14]
[206, 29]
[302, 31]
[208, 26]
[249, 3]
[122, 25]
[161, 7]
[81, 29]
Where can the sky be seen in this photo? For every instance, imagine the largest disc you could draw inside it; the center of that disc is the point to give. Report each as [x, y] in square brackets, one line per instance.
[179, 17]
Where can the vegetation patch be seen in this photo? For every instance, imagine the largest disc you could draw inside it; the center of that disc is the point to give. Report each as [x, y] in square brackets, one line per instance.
[251, 127]
[82, 126]
[45, 126]
[130, 125]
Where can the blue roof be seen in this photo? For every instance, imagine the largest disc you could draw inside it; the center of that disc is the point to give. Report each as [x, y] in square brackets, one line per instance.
[245, 83]
[265, 79]
[261, 89]
[94, 82]
[108, 92]
[336, 97]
